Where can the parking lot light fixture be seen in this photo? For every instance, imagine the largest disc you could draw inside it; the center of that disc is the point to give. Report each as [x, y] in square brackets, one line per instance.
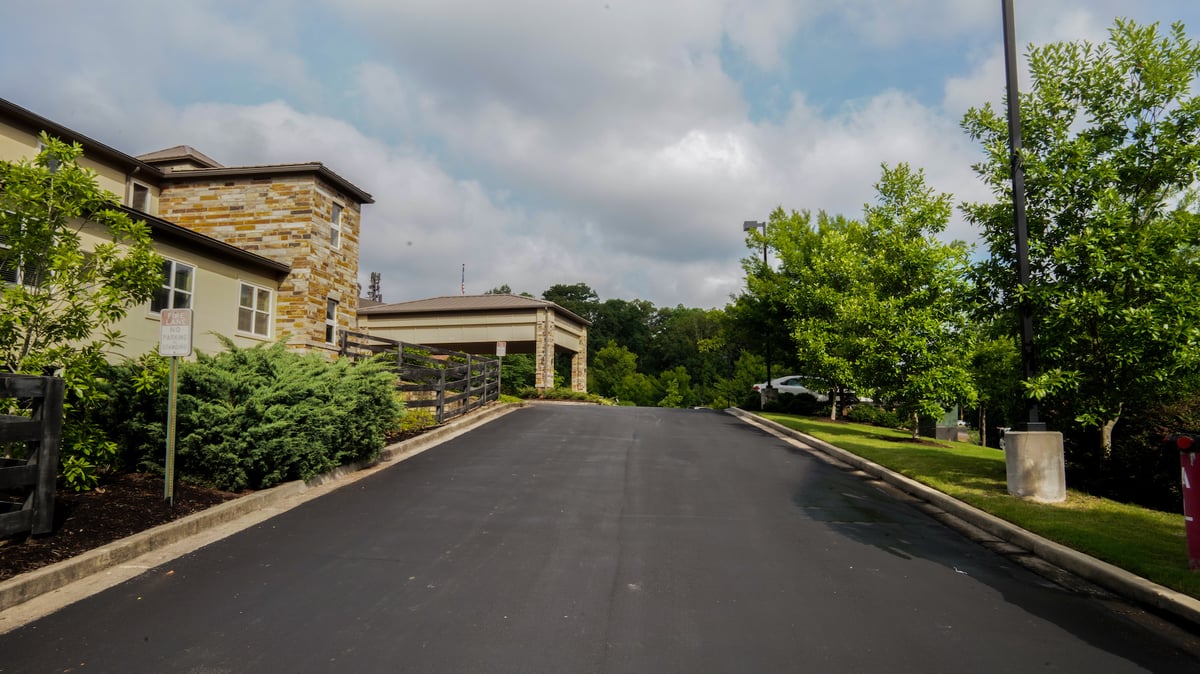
[748, 225]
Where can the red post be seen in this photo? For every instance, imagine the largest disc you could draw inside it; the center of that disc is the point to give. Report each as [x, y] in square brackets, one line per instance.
[1190, 461]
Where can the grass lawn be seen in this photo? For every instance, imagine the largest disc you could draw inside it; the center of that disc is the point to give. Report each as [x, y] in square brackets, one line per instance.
[1149, 543]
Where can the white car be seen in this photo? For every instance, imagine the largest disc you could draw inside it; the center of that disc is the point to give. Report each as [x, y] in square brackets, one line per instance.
[795, 384]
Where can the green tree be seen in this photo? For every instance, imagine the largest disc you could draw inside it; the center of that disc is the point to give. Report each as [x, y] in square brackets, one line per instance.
[578, 298]
[1111, 155]
[672, 397]
[500, 290]
[919, 340]
[611, 366]
[827, 292]
[878, 304]
[677, 387]
[638, 389]
[517, 370]
[625, 322]
[59, 300]
[996, 368]
[736, 389]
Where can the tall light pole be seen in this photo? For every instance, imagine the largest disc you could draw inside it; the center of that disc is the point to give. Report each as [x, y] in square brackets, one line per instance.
[1032, 423]
[1033, 456]
[747, 226]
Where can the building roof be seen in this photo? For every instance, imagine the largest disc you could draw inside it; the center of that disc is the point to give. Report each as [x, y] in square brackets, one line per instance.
[466, 303]
[179, 152]
[316, 168]
[94, 149]
[144, 165]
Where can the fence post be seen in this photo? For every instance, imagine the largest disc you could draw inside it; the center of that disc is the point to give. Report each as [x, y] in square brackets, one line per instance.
[50, 414]
[441, 396]
[484, 372]
[468, 406]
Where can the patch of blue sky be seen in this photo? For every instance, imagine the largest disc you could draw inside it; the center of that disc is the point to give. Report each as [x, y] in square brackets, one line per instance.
[830, 70]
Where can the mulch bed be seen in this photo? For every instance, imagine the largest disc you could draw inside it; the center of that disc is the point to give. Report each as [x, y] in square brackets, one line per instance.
[121, 506]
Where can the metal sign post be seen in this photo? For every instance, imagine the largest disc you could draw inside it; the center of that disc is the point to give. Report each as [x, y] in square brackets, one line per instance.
[501, 349]
[174, 340]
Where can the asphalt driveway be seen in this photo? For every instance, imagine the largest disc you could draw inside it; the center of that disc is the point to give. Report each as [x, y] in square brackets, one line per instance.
[590, 539]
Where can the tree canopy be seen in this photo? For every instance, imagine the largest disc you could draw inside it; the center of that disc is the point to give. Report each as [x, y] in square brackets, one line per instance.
[879, 303]
[60, 299]
[1111, 157]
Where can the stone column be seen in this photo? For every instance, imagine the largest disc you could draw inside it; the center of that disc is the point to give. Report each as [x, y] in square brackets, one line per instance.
[579, 365]
[544, 350]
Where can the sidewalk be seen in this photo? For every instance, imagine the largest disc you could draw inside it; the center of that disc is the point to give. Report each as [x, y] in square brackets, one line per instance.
[32, 595]
[1111, 578]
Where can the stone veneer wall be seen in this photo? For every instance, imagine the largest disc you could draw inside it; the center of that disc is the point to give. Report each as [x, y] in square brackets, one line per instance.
[285, 218]
[543, 356]
[579, 365]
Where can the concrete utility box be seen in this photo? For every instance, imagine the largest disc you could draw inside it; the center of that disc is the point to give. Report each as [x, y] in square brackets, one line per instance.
[1035, 466]
[947, 426]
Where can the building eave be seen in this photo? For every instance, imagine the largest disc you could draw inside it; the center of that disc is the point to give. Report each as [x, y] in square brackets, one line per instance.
[421, 308]
[315, 168]
[92, 149]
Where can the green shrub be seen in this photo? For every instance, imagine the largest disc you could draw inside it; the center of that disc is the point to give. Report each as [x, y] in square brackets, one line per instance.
[416, 419]
[803, 404]
[530, 392]
[252, 418]
[876, 416]
[751, 401]
[863, 414]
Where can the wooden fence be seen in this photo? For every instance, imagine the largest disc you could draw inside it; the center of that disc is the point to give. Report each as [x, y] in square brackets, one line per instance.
[27, 484]
[451, 382]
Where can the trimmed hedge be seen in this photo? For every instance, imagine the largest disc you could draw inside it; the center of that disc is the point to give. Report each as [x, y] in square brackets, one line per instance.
[252, 418]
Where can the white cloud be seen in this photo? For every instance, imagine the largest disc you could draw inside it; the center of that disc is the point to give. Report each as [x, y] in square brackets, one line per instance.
[536, 141]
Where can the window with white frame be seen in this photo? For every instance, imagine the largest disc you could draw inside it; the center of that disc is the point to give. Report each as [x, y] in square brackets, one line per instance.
[14, 269]
[139, 196]
[254, 310]
[10, 263]
[331, 307]
[177, 288]
[335, 226]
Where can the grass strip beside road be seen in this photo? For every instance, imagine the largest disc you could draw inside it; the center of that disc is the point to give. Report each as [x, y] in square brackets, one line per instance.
[1146, 542]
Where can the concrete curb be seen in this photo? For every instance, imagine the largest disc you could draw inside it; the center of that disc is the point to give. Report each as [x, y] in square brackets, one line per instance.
[38, 582]
[1112, 578]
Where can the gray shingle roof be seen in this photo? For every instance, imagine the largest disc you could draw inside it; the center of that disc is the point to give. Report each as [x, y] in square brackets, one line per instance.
[466, 303]
[180, 152]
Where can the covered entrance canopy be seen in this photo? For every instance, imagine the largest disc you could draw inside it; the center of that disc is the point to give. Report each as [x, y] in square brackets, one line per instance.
[476, 323]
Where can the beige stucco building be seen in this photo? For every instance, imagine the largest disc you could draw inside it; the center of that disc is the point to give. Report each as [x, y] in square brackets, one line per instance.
[258, 252]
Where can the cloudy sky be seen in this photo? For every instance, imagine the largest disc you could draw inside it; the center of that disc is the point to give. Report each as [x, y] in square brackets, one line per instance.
[618, 143]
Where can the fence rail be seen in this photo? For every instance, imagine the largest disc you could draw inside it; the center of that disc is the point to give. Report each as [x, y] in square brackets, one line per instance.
[27, 484]
[451, 382]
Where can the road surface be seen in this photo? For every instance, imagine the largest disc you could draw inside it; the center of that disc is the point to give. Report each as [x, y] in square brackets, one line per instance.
[593, 539]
